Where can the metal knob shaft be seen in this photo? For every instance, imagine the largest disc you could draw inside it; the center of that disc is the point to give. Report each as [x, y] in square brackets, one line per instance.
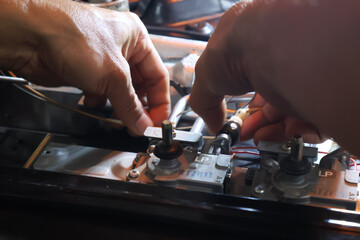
[297, 144]
[167, 132]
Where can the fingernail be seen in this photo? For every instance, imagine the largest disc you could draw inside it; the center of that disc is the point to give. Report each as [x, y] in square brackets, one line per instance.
[142, 123]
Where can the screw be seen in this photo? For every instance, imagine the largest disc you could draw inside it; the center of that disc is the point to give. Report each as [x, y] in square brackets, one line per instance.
[259, 189]
[133, 173]
[286, 146]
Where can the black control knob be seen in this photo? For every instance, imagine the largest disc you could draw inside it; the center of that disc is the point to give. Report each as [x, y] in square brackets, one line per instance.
[168, 148]
[296, 164]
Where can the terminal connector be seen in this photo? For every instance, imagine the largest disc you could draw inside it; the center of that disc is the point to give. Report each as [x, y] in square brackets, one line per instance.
[242, 113]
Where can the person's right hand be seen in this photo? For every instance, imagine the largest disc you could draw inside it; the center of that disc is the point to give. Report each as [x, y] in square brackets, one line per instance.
[270, 124]
[300, 56]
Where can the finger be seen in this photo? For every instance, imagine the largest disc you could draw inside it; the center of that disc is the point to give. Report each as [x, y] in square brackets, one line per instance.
[258, 101]
[205, 101]
[138, 85]
[155, 79]
[273, 132]
[127, 106]
[267, 115]
[92, 100]
[307, 131]
[209, 107]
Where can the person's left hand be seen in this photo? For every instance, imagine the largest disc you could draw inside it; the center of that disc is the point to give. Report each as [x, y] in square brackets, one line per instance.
[107, 54]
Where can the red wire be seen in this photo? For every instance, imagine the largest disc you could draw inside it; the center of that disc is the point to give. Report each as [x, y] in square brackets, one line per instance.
[323, 152]
[354, 163]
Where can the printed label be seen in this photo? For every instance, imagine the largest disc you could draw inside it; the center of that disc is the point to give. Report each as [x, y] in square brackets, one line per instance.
[328, 173]
[194, 173]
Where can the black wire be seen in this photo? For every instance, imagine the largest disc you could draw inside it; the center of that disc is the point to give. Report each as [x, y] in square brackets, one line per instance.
[181, 90]
[247, 104]
[170, 31]
[248, 164]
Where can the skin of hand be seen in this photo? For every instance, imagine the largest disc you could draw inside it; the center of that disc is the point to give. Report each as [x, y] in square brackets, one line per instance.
[302, 58]
[105, 53]
[270, 124]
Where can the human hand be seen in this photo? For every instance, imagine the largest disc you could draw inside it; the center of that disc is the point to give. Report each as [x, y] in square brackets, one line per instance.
[105, 53]
[219, 72]
[270, 124]
[288, 52]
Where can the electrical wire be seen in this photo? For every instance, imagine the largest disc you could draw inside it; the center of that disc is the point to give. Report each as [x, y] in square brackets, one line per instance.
[208, 137]
[247, 104]
[183, 112]
[171, 31]
[351, 165]
[29, 90]
[321, 152]
[181, 90]
[32, 92]
[354, 164]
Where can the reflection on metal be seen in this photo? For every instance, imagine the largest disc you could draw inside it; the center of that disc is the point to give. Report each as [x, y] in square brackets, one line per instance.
[182, 136]
[38, 150]
[179, 108]
[29, 90]
[13, 79]
[343, 223]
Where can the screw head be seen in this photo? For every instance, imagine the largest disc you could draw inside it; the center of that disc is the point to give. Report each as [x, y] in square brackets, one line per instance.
[259, 189]
[286, 146]
[151, 148]
[133, 173]
[269, 163]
